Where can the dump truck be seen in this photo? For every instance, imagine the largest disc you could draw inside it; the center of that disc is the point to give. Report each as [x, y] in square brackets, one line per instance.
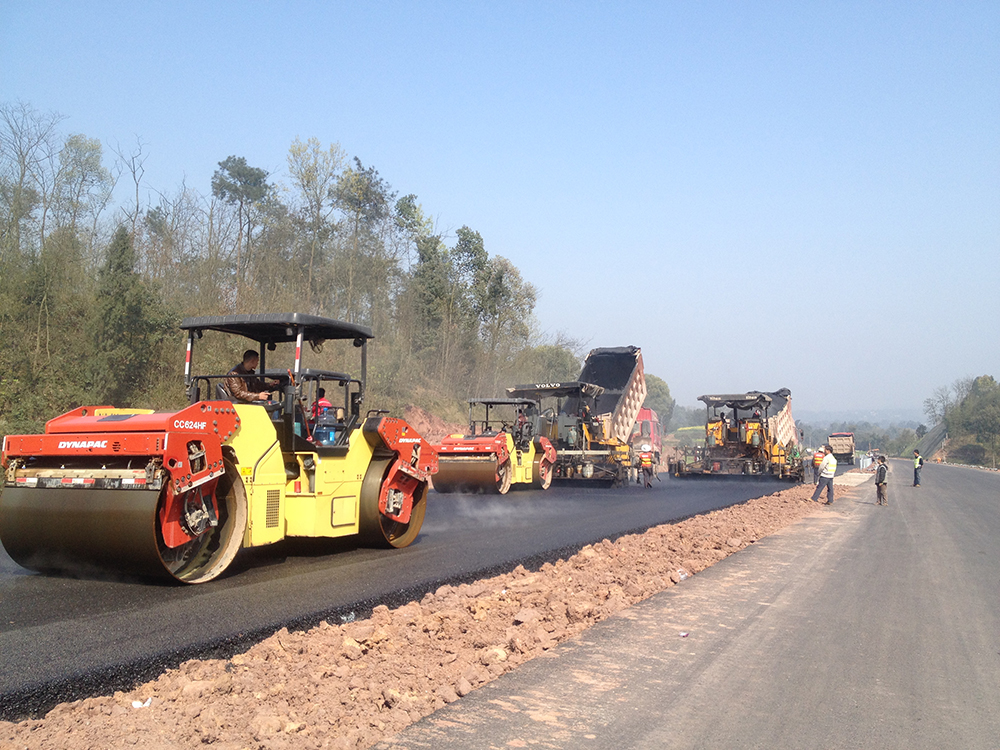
[177, 494]
[746, 434]
[503, 449]
[590, 420]
[843, 446]
[619, 372]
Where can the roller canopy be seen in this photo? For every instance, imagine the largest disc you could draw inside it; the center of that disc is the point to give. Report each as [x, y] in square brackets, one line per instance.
[276, 328]
[308, 373]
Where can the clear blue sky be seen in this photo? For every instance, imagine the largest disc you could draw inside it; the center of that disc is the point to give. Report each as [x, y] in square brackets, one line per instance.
[757, 194]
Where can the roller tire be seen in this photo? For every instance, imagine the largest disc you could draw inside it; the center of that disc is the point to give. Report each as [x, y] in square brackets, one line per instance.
[506, 473]
[541, 474]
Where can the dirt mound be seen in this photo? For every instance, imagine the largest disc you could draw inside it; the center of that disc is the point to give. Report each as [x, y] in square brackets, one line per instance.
[432, 428]
[351, 685]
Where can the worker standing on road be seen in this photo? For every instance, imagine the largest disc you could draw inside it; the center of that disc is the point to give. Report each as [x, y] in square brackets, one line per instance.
[827, 469]
[818, 457]
[646, 462]
[918, 464]
[881, 479]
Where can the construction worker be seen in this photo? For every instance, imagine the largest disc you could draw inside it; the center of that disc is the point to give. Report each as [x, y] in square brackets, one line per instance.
[881, 481]
[827, 470]
[244, 385]
[646, 464]
[918, 464]
[817, 460]
[322, 403]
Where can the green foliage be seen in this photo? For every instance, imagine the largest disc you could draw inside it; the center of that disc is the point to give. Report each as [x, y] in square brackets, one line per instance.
[314, 172]
[658, 398]
[685, 416]
[547, 363]
[83, 302]
[128, 326]
[83, 186]
[978, 415]
[238, 183]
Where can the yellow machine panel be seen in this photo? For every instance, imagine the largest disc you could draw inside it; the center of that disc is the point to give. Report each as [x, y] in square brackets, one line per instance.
[321, 501]
[262, 469]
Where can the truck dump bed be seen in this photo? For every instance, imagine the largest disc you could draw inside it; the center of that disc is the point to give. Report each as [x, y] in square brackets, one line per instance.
[843, 446]
[780, 419]
[619, 371]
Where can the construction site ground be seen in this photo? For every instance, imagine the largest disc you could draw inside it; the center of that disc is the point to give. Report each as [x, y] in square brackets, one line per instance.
[842, 626]
[858, 627]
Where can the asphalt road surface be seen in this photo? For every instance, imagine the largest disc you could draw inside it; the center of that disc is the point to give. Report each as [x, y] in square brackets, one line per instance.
[859, 627]
[63, 638]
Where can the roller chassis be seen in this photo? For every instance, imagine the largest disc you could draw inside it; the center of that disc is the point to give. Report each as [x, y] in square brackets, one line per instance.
[179, 493]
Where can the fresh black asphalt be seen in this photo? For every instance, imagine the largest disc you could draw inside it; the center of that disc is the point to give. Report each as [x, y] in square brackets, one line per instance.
[63, 638]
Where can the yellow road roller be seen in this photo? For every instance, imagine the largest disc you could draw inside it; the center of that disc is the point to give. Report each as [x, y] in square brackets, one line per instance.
[178, 494]
[503, 449]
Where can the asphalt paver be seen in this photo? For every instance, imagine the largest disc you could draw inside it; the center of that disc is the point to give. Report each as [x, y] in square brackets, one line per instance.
[858, 627]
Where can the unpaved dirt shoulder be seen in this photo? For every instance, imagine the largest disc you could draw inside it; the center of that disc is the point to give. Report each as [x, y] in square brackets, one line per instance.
[351, 685]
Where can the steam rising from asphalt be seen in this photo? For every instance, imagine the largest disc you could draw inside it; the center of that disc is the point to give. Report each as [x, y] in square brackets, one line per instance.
[486, 511]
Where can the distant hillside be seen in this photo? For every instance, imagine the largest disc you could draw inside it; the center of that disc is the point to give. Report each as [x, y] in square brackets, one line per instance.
[970, 413]
[901, 417]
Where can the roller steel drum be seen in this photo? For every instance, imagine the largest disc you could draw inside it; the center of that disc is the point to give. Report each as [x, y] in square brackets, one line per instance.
[72, 529]
[377, 529]
[472, 474]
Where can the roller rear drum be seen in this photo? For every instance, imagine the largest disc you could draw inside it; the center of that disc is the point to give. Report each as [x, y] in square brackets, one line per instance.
[377, 529]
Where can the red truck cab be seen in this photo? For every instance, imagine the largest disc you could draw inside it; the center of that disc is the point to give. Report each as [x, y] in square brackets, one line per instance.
[647, 437]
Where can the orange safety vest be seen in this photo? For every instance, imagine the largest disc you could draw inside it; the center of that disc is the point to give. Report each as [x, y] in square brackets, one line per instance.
[646, 460]
[818, 458]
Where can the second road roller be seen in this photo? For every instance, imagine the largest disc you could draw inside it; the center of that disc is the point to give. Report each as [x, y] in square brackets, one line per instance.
[501, 450]
[178, 494]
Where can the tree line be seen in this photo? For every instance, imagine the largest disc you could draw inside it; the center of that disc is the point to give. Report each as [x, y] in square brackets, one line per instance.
[970, 411]
[91, 292]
